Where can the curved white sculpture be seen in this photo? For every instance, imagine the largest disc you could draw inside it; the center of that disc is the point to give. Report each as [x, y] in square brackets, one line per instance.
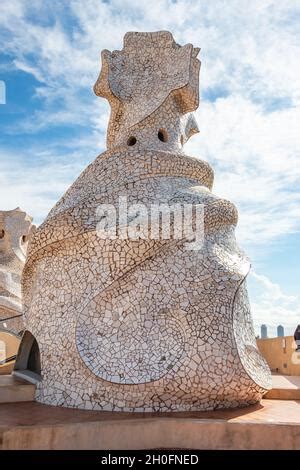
[143, 323]
[15, 230]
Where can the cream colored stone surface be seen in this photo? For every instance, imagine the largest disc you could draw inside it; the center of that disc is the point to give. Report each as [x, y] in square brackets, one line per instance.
[273, 425]
[146, 324]
[15, 230]
[13, 390]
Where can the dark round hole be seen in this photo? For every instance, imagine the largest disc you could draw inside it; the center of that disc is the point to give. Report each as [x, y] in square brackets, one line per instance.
[24, 239]
[131, 141]
[162, 135]
[2, 233]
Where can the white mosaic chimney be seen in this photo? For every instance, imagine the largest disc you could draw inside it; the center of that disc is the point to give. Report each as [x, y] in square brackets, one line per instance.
[128, 320]
[15, 230]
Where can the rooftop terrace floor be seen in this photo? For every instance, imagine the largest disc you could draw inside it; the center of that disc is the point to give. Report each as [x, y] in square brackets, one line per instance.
[273, 424]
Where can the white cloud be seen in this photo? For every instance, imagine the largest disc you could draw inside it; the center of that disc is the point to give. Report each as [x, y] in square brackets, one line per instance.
[256, 160]
[272, 306]
[36, 186]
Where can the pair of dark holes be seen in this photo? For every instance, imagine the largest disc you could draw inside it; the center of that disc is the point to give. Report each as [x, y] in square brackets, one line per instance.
[2, 233]
[162, 136]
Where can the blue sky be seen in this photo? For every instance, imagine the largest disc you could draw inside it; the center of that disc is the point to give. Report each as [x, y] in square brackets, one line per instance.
[52, 125]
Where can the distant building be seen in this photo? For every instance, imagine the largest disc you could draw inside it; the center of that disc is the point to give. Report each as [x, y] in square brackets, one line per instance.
[263, 331]
[280, 330]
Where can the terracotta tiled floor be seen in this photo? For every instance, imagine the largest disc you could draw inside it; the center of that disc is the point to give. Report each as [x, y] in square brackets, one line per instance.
[32, 414]
[273, 424]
